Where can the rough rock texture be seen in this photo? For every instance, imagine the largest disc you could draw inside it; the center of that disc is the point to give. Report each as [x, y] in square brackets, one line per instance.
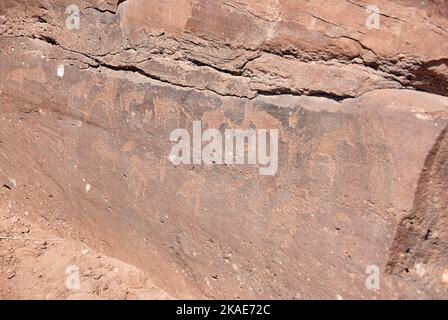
[38, 265]
[362, 157]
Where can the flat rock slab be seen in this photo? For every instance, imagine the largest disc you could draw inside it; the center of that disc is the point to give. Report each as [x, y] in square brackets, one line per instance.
[86, 119]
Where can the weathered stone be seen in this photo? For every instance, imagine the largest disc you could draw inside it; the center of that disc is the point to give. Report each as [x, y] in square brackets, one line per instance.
[86, 118]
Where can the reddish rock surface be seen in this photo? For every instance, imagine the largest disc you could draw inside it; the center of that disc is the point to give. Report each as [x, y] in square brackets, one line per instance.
[86, 118]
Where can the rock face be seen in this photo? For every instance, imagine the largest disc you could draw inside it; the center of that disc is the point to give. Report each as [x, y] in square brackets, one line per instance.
[91, 92]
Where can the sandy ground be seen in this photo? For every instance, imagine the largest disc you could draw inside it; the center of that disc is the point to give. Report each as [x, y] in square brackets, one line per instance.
[37, 265]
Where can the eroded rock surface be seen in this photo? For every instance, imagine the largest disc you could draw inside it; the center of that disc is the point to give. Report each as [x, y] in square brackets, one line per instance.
[86, 118]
